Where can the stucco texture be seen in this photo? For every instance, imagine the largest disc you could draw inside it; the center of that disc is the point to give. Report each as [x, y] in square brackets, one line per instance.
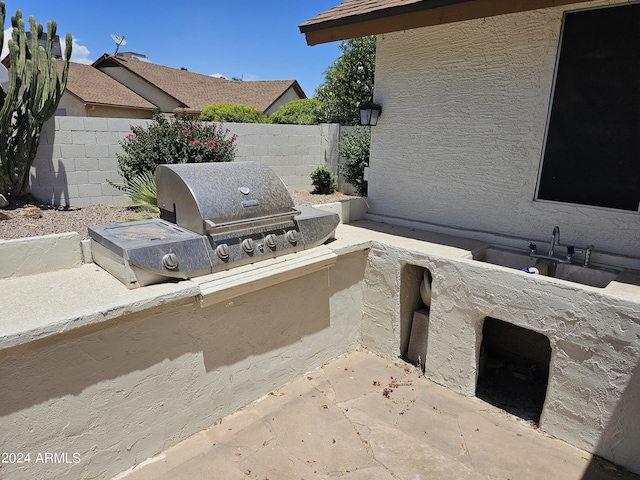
[593, 385]
[118, 393]
[460, 139]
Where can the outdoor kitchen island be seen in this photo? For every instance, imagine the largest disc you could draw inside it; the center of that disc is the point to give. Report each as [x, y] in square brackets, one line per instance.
[119, 375]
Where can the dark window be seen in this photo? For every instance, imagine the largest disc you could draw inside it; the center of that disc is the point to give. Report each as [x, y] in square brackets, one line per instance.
[592, 151]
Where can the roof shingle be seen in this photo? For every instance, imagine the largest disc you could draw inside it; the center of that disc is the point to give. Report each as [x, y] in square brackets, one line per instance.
[95, 87]
[195, 91]
[359, 18]
[353, 8]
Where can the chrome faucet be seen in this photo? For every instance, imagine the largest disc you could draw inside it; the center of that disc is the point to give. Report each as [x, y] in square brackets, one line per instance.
[555, 240]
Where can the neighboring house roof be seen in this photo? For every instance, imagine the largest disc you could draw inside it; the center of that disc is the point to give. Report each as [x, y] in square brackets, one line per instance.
[359, 18]
[194, 91]
[93, 87]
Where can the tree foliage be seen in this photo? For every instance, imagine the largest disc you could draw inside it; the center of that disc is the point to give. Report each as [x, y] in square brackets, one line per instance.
[305, 111]
[232, 112]
[34, 92]
[354, 149]
[179, 140]
[348, 82]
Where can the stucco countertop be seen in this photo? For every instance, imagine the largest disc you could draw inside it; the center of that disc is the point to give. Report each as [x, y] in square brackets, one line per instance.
[626, 286]
[363, 232]
[36, 306]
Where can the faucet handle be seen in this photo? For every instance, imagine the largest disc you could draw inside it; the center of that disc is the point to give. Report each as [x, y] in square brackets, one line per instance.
[571, 251]
[587, 255]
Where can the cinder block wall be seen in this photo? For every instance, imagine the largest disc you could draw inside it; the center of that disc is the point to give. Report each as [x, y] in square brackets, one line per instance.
[77, 159]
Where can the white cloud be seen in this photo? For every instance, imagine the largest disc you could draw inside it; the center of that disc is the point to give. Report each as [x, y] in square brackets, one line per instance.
[79, 53]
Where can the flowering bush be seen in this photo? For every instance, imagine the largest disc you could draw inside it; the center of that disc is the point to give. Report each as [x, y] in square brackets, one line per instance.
[179, 140]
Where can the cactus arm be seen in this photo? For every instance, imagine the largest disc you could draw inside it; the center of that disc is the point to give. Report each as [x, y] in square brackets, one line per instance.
[32, 98]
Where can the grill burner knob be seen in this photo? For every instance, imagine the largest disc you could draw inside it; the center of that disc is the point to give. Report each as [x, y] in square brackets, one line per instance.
[222, 251]
[270, 240]
[292, 236]
[248, 245]
[170, 261]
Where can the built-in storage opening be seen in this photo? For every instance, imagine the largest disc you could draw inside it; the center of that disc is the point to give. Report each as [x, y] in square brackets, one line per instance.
[415, 300]
[513, 368]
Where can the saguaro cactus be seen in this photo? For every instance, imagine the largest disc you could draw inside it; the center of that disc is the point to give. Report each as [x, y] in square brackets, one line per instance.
[33, 95]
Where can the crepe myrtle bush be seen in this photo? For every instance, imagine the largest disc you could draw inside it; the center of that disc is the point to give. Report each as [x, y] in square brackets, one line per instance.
[170, 141]
[323, 180]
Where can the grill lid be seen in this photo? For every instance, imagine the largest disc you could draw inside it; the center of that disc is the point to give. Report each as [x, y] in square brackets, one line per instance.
[214, 216]
[207, 197]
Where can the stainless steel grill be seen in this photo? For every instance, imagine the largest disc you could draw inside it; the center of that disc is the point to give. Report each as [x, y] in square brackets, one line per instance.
[213, 216]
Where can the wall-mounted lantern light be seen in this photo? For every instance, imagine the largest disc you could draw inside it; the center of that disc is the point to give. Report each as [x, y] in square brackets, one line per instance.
[369, 113]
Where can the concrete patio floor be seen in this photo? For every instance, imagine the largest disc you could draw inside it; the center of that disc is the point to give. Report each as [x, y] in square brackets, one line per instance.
[364, 417]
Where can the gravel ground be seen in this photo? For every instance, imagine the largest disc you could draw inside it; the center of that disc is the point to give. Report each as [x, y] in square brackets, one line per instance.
[22, 219]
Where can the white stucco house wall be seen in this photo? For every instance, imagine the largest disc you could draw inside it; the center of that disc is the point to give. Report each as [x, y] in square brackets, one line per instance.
[465, 104]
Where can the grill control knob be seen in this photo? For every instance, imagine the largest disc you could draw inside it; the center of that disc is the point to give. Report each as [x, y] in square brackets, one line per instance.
[248, 245]
[170, 261]
[292, 236]
[222, 251]
[270, 240]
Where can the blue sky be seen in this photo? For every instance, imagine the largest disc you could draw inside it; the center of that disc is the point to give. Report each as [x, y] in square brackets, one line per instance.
[251, 39]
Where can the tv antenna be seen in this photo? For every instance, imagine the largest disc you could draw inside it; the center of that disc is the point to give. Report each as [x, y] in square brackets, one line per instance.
[119, 41]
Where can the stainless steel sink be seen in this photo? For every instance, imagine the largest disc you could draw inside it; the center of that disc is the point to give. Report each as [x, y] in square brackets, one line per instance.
[505, 257]
[593, 276]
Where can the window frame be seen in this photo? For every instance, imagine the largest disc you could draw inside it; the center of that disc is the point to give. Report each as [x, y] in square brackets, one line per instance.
[548, 123]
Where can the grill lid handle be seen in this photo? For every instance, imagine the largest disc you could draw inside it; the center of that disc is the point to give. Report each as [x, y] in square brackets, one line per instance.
[210, 225]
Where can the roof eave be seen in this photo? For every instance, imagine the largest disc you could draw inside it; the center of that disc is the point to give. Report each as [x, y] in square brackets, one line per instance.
[296, 88]
[107, 60]
[115, 105]
[421, 14]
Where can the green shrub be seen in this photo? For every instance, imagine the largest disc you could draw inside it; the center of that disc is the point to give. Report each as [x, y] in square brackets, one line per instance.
[305, 111]
[232, 112]
[180, 140]
[324, 180]
[354, 148]
[143, 193]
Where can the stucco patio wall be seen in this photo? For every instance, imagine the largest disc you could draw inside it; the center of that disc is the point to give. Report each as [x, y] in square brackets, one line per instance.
[594, 379]
[460, 138]
[76, 158]
[107, 396]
